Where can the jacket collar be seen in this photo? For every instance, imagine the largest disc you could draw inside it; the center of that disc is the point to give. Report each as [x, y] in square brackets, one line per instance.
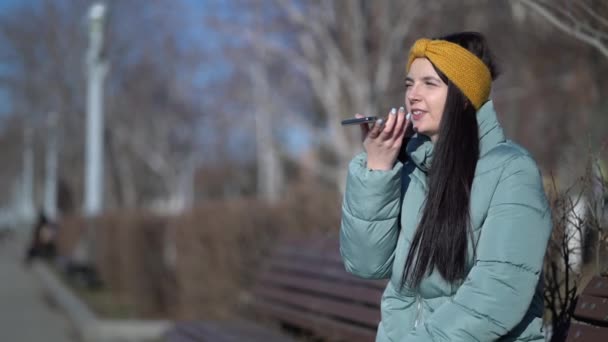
[420, 147]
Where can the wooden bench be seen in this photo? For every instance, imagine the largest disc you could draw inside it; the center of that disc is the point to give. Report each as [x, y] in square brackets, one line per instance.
[303, 288]
[591, 313]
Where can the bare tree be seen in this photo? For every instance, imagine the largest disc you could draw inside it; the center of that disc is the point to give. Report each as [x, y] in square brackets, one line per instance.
[585, 20]
[345, 51]
[270, 172]
[561, 278]
[39, 55]
[579, 227]
[153, 120]
[152, 112]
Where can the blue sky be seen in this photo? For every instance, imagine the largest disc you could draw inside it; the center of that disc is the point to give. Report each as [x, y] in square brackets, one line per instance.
[7, 4]
[4, 98]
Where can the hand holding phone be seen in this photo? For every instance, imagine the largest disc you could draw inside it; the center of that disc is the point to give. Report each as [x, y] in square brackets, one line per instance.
[383, 141]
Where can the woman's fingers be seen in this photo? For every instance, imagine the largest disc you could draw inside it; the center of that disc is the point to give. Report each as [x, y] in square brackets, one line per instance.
[389, 129]
[401, 123]
[376, 129]
[390, 125]
[384, 140]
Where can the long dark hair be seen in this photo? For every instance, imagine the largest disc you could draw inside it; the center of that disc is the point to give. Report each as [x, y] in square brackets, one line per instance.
[441, 240]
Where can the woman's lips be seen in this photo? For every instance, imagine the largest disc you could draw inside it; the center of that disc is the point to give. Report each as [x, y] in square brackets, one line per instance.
[417, 114]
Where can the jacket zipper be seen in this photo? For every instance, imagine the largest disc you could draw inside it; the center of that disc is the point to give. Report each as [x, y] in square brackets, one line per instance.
[418, 311]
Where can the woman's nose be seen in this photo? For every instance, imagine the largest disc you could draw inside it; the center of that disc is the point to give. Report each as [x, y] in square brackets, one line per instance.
[412, 95]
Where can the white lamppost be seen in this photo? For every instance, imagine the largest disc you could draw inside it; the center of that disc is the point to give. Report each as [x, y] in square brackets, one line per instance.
[27, 180]
[52, 155]
[96, 71]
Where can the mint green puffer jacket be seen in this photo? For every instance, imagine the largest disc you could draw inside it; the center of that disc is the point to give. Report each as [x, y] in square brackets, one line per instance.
[501, 297]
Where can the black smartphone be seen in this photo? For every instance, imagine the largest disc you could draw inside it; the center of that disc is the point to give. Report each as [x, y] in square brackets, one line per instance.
[358, 121]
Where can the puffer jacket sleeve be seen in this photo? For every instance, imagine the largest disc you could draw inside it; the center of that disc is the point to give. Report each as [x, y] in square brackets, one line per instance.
[370, 219]
[500, 286]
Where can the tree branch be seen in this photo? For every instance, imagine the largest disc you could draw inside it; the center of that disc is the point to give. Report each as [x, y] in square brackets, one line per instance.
[575, 32]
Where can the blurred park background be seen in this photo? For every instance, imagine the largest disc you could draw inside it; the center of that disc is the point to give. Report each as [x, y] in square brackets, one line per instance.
[173, 141]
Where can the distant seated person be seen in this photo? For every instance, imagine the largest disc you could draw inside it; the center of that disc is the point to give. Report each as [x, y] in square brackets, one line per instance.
[42, 244]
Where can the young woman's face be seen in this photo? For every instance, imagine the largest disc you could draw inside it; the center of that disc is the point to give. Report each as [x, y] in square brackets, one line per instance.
[425, 97]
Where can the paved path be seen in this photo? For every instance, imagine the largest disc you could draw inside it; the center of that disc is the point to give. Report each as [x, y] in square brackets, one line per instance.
[25, 313]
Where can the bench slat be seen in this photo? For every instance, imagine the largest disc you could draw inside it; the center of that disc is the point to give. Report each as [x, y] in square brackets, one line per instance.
[320, 326]
[580, 332]
[327, 306]
[597, 287]
[324, 270]
[592, 310]
[353, 292]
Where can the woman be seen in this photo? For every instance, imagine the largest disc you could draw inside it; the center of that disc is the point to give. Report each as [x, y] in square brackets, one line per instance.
[460, 222]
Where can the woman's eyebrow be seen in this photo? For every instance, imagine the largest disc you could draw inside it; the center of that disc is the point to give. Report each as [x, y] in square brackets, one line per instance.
[430, 78]
[425, 78]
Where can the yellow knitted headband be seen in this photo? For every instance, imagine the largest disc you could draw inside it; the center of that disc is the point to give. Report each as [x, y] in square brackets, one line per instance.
[462, 67]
